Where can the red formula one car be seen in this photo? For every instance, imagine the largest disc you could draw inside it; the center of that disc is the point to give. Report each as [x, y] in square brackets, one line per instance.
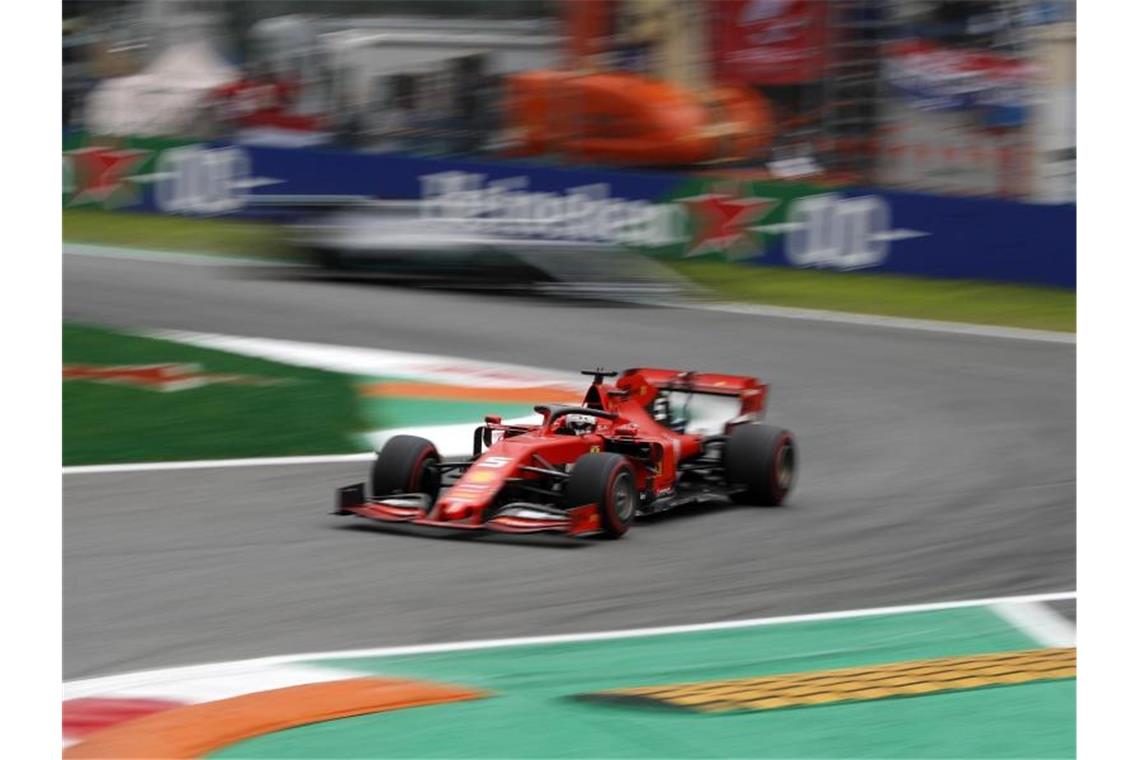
[590, 469]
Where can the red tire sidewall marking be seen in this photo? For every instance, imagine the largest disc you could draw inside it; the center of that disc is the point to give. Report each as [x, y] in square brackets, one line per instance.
[418, 469]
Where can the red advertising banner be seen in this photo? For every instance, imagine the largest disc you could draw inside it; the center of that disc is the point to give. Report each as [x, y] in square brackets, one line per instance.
[772, 42]
[588, 27]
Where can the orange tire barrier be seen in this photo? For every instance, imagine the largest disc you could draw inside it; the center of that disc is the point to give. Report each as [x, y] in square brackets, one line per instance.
[633, 120]
[196, 730]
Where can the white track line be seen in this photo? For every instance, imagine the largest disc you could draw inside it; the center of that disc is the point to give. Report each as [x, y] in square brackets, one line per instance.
[109, 684]
[876, 320]
[202, 464]
[221, 684]
[379, 362]
[1039, 622]
[451, 440]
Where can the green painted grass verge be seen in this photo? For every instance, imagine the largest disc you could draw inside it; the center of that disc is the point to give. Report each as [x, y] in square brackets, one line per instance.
[1039, 308]
[307, 411]
[175, 234]
[532, 713]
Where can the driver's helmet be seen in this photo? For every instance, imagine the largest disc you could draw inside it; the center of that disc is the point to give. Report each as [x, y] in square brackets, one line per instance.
[662, 414]
[580, 423]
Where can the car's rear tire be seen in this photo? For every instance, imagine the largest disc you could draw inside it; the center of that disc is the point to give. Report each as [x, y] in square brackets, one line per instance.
[403, 465]
[608, 480]
[760, 464]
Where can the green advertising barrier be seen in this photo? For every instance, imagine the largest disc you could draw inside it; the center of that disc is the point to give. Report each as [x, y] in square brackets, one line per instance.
[732, 218]
[111, 172]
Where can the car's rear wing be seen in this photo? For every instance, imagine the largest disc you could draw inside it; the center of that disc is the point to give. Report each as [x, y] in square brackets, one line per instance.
[750, 390]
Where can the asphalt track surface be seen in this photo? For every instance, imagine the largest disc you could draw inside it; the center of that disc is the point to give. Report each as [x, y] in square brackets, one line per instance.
[934, 467]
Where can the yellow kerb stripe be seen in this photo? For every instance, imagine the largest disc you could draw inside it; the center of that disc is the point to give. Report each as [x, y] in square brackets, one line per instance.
[862, 683]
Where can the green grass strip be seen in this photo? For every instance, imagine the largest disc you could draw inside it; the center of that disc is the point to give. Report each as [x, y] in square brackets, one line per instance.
[1040, 308]
[306, 411]
[175, 233]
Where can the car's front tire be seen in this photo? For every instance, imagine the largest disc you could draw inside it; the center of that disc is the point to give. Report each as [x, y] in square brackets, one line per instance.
[404, 465]
[608, 480]
[760, 464]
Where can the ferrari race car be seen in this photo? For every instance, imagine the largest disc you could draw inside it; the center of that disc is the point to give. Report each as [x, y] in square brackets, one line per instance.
[625, 452]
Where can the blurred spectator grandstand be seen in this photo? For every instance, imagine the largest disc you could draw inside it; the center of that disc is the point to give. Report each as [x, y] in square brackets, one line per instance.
[971, 97]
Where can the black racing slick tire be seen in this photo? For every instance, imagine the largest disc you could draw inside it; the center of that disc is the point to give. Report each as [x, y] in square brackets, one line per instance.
[404, 466]
[760, 464]
[605, 479]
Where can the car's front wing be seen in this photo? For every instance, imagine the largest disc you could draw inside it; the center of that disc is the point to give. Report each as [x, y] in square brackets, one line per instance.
[512, 518]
